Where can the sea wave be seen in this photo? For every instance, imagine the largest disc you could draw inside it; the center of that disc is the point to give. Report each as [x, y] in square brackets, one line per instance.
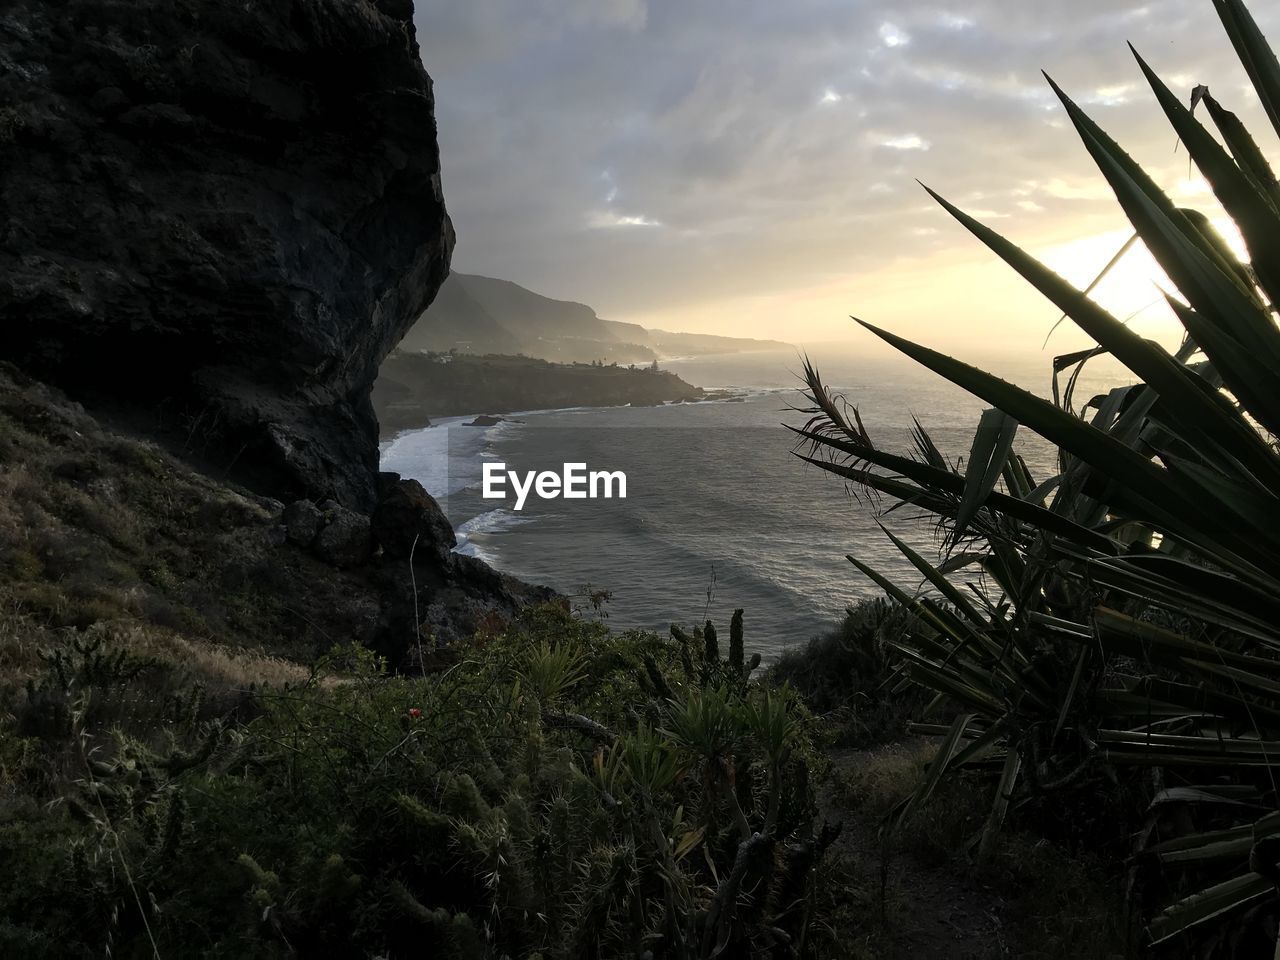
[482, 525]
[443, 457]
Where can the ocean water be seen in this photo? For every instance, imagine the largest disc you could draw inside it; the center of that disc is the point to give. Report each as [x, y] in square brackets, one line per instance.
[719, 512]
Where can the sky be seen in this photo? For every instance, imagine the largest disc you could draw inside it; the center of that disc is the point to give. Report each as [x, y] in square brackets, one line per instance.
[750, 168]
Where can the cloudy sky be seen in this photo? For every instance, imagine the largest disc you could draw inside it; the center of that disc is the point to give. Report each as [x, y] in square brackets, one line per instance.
[749, 167]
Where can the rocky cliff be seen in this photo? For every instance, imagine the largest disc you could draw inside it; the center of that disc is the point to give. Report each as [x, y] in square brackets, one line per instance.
[220, 217]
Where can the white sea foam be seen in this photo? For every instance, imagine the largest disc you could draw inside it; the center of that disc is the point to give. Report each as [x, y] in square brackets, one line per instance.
[485, 524]
[721, 507]
[443, 457]
[447, 458]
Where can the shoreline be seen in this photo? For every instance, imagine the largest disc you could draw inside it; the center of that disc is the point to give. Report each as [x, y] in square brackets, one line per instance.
[412, 387]
[455, 420]
[449, 463]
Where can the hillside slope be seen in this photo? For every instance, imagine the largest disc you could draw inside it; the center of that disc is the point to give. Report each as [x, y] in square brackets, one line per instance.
[474, 314]
[459, 321]
[103, 531]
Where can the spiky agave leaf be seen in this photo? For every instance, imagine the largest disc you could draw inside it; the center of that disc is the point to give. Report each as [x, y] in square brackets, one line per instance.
[551, 670]
[705, 722]
[1162, 554]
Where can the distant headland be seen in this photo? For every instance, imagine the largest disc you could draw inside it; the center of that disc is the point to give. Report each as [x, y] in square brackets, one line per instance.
[414, 387]
[479, 315]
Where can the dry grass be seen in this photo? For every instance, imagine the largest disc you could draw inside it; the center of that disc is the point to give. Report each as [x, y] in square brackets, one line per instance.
[1051, 903]
[100, 528]
[20, 644]
[875, 779]
[110, 547]
[212, 666]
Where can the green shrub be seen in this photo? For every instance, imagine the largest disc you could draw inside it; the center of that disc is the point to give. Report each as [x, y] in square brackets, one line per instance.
[559, 791]
[845, 676]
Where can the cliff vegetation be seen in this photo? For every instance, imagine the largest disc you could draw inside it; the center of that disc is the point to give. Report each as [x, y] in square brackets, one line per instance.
[226, 734]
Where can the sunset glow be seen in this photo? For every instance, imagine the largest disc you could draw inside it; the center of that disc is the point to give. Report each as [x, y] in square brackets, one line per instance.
[761, 168]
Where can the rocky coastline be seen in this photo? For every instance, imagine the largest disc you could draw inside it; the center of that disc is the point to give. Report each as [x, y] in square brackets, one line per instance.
[414, 387]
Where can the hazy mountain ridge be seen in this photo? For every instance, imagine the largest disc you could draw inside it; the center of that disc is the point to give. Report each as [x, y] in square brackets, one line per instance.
[475, 314]
[460, 320]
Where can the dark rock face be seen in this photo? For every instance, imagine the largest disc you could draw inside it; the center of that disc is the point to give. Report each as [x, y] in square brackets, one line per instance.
[431, 595]
[408, 521]
[223, 214]
[345, 540]
[302, 521]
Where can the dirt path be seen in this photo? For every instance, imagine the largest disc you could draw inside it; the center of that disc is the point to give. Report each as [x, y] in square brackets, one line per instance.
[930, 910]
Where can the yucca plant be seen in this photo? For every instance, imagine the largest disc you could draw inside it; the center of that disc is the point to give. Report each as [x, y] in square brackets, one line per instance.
[551, 670]
[1127, 609]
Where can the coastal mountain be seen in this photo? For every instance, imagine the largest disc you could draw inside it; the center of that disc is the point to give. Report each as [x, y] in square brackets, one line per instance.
[459, 322]
[482, 315]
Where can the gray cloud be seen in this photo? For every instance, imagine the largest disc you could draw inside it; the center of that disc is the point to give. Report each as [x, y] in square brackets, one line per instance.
[644, 154]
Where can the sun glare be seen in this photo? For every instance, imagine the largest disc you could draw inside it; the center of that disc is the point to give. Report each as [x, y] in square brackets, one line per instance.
[1133, 288]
